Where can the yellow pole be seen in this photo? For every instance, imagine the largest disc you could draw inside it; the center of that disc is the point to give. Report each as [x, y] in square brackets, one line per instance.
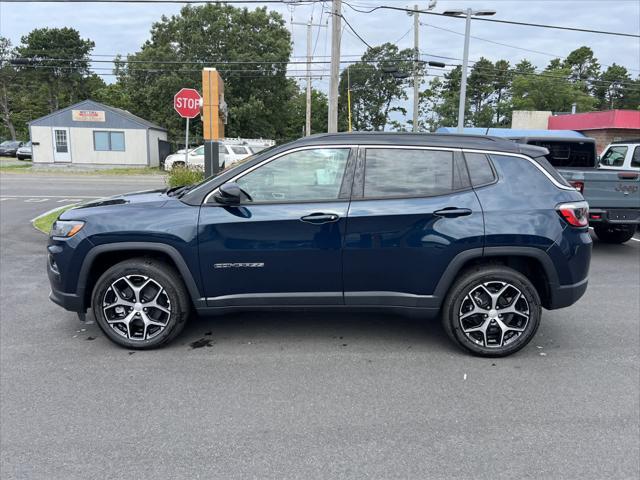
[349, 97]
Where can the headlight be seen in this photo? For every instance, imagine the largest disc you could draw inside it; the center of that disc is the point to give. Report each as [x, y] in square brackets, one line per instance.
[65, 228]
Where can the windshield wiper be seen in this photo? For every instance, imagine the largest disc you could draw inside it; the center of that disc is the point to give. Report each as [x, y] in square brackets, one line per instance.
[172, 192]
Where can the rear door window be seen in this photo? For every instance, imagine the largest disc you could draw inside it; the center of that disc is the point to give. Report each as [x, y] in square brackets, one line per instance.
[396, 172]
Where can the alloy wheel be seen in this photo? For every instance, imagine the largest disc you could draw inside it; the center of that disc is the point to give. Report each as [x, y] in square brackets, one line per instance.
[494, 314]
[136, 307]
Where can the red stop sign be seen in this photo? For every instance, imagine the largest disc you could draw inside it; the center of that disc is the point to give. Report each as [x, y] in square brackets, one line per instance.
[187, 103]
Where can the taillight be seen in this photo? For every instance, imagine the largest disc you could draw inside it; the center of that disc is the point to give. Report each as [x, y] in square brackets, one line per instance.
[578, 185]
[576, 213]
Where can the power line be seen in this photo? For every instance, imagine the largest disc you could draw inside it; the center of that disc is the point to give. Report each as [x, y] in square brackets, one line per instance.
[45, 63]
[495, 20]
[489, 72]
[355, 33]
[506, 44]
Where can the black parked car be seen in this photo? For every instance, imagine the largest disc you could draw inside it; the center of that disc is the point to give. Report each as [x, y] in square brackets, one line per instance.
[9, 148]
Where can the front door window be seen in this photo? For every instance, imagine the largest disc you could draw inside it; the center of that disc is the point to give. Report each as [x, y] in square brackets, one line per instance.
[302, 176]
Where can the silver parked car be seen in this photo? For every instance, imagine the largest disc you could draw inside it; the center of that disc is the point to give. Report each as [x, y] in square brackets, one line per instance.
[24, 151]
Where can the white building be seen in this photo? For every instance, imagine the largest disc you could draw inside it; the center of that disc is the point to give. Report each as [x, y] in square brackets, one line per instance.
[90, 133]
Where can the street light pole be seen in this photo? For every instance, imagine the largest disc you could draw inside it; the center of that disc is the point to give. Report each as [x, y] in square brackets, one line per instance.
[465, 57]
[463, 79]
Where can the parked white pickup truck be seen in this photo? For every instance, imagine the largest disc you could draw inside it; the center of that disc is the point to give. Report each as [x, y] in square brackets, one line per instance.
[612, 189]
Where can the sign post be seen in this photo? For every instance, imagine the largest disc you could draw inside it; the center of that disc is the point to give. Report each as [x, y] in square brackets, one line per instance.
[187, 103]
[214, 116]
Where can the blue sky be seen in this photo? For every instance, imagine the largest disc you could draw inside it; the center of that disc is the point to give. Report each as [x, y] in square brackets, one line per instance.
[122, 28]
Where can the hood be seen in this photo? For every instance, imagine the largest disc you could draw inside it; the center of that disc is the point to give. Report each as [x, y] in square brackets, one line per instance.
[151, 198]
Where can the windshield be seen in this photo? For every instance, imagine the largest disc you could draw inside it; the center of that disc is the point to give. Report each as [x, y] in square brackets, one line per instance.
[230, 168]
[9, 143]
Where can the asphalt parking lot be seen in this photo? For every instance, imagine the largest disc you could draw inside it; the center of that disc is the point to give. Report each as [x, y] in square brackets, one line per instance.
[301, 395]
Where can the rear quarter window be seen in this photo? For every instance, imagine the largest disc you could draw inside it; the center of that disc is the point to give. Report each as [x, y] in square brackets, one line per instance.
[480, 169]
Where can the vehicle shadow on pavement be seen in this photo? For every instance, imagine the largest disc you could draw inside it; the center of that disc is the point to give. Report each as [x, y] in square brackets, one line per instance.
[303, 330]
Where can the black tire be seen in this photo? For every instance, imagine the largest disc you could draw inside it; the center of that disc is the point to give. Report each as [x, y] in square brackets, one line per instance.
[492, 276]
[161, 274]
[614, 234]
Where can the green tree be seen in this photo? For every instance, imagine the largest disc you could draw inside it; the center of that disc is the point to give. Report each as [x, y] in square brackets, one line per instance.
[480, 92]
[583, 66]
[374, 92]
[502, 92]
[250, 49]
[612, 86]
[448, 93]
[550, 90]
[8, 83]
[57, 58]
[296, 112]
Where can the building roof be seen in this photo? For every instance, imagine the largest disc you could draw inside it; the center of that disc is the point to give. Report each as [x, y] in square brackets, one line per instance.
[93, 105]
[514, 133]
[623, 119]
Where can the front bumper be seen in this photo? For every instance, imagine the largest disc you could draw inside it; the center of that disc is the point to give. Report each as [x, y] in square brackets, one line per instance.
[69, 301]
[614, 216]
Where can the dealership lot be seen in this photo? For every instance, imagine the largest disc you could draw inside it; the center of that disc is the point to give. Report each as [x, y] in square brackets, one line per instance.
[307, 395]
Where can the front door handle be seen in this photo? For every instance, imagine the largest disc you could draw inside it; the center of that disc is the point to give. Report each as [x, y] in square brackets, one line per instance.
[451, 212]
[320, 218]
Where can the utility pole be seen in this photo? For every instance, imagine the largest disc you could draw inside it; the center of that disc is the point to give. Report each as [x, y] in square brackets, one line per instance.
[349, 97]
[336, 28]
[309, 24]
[416, 60]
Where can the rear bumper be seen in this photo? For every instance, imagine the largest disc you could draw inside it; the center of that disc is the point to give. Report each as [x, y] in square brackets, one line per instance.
[566, 295]
[614, 216]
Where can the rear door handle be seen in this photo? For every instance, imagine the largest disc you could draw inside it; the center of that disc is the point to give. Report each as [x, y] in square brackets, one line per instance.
[320, 218]
[451, 212]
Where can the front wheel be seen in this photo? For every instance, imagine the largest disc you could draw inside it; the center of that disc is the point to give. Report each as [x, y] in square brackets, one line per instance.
[140, 303]
[614, 234]
[492, 311]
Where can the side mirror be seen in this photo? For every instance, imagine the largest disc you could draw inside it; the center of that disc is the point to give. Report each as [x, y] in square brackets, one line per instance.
[228, 194]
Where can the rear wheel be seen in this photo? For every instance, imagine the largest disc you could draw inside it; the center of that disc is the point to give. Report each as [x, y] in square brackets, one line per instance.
[492, 311]
[614, 234]
[140, 303]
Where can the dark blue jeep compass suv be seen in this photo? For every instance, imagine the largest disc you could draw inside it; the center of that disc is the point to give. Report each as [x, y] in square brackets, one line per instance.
[478, 230]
